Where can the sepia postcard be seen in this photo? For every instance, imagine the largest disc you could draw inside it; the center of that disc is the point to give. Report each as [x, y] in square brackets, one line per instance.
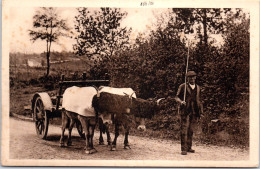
[142, 83]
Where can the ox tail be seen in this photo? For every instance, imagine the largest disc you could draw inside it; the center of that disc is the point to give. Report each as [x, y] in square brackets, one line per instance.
[95, 106]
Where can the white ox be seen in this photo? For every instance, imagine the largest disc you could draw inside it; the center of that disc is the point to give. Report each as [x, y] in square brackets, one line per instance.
[79, 100]
[118, 91]
[77, 104]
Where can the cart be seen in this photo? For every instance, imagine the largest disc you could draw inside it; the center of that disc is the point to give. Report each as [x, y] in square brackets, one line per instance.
[45, 107]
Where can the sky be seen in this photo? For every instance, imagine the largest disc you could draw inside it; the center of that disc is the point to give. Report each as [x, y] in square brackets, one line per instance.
[141, 20]
[21, 20]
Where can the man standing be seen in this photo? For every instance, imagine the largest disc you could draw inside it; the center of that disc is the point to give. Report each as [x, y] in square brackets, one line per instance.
[190, 109]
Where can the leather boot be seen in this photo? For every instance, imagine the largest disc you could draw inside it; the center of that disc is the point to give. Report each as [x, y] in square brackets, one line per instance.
[184, 153]
[191, 150]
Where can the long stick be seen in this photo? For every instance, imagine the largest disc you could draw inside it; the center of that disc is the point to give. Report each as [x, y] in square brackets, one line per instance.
[187, 65]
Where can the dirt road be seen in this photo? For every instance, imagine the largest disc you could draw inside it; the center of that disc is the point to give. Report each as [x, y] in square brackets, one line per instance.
[24, 144]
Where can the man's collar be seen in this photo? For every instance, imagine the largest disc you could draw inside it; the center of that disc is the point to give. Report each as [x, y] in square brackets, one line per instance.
[192, 86]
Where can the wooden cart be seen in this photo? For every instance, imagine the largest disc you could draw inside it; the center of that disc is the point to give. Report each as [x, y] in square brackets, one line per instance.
[45, 107]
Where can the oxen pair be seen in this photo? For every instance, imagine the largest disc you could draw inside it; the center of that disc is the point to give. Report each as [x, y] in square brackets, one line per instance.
[88, 104]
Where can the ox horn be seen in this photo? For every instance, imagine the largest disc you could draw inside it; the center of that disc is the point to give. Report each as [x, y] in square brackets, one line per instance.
[132, 95]
[158, 101]
[101, 87]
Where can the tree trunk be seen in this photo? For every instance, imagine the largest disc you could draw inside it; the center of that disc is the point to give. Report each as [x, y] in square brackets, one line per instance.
[204, 21]
[48, 59]
[48, 63]
[49, 40]
[111, 71]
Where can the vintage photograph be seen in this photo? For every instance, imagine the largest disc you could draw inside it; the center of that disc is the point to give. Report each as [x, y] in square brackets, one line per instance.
[140, 85]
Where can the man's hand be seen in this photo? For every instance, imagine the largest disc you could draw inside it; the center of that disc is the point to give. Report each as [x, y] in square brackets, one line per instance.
[201, 116]
[183, 103]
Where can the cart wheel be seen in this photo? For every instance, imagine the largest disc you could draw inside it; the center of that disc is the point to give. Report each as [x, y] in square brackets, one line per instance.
[80, 129]
[41, 118]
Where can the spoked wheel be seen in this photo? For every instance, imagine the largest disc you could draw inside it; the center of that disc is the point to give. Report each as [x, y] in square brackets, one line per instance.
[80, 129]
[41, 118]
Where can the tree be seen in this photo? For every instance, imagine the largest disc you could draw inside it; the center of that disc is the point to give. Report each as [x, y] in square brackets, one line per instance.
[48, 26]
[202, 22]
[99, 34]
[234, 70]
[209, 20]
[154, 65]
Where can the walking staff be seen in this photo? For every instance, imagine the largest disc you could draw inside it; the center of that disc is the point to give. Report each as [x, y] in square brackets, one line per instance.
[186, 71]
[187, 65]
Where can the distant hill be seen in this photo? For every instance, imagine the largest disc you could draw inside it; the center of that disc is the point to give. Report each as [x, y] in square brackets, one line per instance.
[22, 59]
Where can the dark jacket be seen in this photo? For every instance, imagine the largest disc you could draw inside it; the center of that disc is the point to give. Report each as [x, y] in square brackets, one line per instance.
[192, 95]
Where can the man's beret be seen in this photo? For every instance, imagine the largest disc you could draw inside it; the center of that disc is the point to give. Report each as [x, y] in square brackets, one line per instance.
[191, 73]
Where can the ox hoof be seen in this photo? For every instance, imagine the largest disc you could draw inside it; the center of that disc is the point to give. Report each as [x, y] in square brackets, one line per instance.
[101, 143]
[109, 145]
[69, 143]
[113, 148]
[127, 147]
[62, 145]
[91, 151]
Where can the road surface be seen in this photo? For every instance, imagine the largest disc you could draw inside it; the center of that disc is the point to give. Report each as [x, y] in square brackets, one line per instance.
[24, 144]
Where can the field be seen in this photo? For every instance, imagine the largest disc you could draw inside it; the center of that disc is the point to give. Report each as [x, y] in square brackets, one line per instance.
[25, 81]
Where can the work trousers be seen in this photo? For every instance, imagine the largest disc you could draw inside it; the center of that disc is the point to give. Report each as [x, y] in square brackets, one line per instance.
[188, 123]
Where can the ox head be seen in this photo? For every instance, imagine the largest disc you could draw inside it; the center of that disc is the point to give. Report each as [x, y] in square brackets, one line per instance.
[145, 109]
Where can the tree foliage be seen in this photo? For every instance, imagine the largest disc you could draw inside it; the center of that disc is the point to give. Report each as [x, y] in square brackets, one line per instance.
[208, 20]
[100, 34]
[48, 26]
[234, 70]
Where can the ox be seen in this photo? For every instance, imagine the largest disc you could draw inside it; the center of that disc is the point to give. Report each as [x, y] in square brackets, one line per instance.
[122, 106]
[77, 105]
[103, 122]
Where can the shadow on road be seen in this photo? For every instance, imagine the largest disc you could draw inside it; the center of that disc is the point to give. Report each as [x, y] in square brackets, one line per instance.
[55, 137]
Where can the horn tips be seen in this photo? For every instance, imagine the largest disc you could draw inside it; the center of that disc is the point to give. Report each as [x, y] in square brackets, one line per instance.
[158, 101]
